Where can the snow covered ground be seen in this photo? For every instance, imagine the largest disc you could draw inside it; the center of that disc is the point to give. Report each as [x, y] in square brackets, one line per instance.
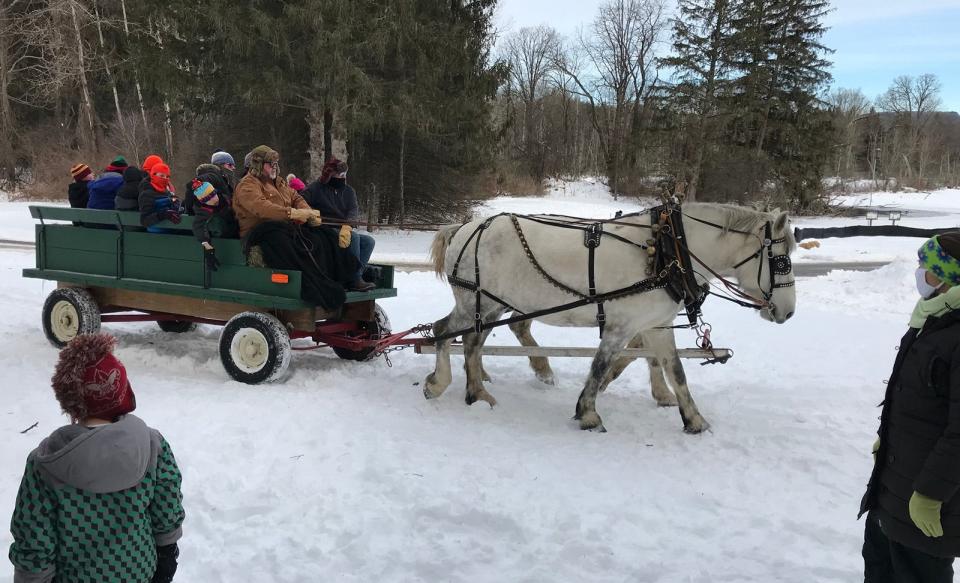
[343, 472]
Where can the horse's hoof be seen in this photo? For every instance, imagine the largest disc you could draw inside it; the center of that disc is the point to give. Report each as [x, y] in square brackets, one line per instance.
[697, 426]
[431, 388]
[480, 395]
[591, 421]
[547, 378]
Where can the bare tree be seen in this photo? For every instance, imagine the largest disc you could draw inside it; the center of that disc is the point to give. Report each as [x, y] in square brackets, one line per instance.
[529, 53]
[848, 108]
[613, 67]
[913, 101]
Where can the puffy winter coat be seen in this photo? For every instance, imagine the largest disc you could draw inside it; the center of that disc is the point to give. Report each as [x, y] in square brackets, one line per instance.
[920, 437]
[129, 194]
[154, 203]
[94, 504]
[78, 194]
[103, 191]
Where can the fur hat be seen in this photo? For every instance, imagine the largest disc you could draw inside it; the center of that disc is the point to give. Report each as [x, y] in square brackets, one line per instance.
[80, 172]
[332, 168]
[940, 256]
[89, 381]
[259, 155]
[220, 158]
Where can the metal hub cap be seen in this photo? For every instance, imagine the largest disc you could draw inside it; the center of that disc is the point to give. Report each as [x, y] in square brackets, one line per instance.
[249, 350]
[64, 321]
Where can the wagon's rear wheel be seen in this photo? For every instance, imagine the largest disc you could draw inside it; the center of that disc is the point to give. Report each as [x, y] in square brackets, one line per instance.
[67, 312]
[379, 326]
[254, 348]
[177, 326]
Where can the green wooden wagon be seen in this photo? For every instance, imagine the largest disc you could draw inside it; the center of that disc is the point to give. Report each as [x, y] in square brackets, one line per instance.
[108, 269]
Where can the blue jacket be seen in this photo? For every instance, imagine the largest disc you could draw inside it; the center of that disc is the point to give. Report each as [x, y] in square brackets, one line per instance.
[103, 191]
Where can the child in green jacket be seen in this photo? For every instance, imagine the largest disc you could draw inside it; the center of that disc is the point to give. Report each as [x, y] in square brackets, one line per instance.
[100, 498]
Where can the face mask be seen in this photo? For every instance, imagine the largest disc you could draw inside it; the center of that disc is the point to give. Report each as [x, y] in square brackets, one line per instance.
[337, 182]
[926, 290]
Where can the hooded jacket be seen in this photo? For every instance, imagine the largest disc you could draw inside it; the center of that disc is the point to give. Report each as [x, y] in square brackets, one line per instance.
[94, 504]
[129, 193]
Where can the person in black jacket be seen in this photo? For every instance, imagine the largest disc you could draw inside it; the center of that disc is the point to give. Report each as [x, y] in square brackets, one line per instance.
[129, 193]
[78, 193]
[337, 202]
[913, 523]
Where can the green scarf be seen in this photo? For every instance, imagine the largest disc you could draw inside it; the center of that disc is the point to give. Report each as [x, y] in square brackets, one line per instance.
[936, 306]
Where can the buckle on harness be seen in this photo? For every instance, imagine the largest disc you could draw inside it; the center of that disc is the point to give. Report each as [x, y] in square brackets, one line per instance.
[477, 322]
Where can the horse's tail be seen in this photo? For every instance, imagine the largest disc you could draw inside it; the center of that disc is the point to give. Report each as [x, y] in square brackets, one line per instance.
[438, 251]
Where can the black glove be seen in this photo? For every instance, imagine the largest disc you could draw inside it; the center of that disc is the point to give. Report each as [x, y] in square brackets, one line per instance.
[170, 215]
[166, 564]
[210, 258]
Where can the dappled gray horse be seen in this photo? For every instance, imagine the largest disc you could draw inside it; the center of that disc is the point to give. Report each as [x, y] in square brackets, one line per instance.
[725, 238]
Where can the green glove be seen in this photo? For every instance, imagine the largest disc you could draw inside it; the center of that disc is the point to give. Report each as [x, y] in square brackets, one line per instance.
[876, 448]
[925, 513]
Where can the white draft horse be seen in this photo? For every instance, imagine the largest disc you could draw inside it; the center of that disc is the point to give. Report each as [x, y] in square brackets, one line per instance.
[727, 239]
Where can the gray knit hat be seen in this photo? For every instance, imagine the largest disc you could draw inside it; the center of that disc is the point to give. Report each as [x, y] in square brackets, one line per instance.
[220, 158]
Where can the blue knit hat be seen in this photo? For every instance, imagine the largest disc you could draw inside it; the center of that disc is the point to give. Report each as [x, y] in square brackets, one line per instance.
[221, 158]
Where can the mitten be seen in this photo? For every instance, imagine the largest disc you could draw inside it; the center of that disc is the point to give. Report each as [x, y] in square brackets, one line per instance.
[210, 258]
[925, 513]
[166, 564]
[170, 215]
[301, 215]
[345, 235]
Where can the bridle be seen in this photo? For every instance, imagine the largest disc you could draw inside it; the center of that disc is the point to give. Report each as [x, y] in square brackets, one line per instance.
[776, 265]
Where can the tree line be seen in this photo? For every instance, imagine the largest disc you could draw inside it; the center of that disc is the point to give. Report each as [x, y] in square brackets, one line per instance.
[727, 97]
[405, 86]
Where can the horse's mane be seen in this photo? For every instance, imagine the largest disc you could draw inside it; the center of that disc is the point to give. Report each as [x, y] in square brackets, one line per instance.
[741, 218]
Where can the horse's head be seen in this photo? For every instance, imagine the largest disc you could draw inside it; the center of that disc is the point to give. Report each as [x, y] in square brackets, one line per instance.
[768, 273]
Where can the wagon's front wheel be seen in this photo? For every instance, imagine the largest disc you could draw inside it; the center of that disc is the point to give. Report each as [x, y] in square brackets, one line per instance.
[254, 348]
[67, 312]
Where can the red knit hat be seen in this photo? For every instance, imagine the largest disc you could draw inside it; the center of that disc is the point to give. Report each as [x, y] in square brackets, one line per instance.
[80, 171]
[89, 381]
[149, 161]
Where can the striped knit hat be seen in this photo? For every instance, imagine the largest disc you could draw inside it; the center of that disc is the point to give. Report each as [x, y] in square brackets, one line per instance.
[80, 171]
[206, 194]
[939, 255]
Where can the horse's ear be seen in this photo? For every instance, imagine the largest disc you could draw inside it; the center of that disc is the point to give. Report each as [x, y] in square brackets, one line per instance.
[781, 222]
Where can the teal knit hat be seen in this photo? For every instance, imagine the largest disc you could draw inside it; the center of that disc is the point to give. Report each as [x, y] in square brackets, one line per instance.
[939, 256]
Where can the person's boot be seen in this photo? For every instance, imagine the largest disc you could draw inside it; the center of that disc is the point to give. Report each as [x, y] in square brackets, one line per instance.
[360, 285]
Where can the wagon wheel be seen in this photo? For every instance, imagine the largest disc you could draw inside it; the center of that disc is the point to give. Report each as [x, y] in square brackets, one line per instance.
[177, 326]
[379, 326]
[254, 347]
[67, 312]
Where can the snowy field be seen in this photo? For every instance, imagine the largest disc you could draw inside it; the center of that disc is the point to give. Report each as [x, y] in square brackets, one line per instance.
[343, 472]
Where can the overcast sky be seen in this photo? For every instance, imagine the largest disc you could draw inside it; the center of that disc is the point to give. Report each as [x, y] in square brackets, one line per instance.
[874, 40]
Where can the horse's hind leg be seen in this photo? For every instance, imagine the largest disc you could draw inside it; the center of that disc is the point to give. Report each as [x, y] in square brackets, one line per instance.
[438, 381]
[665, 347]
[539, 364]
[611, 345]
[658, 385]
